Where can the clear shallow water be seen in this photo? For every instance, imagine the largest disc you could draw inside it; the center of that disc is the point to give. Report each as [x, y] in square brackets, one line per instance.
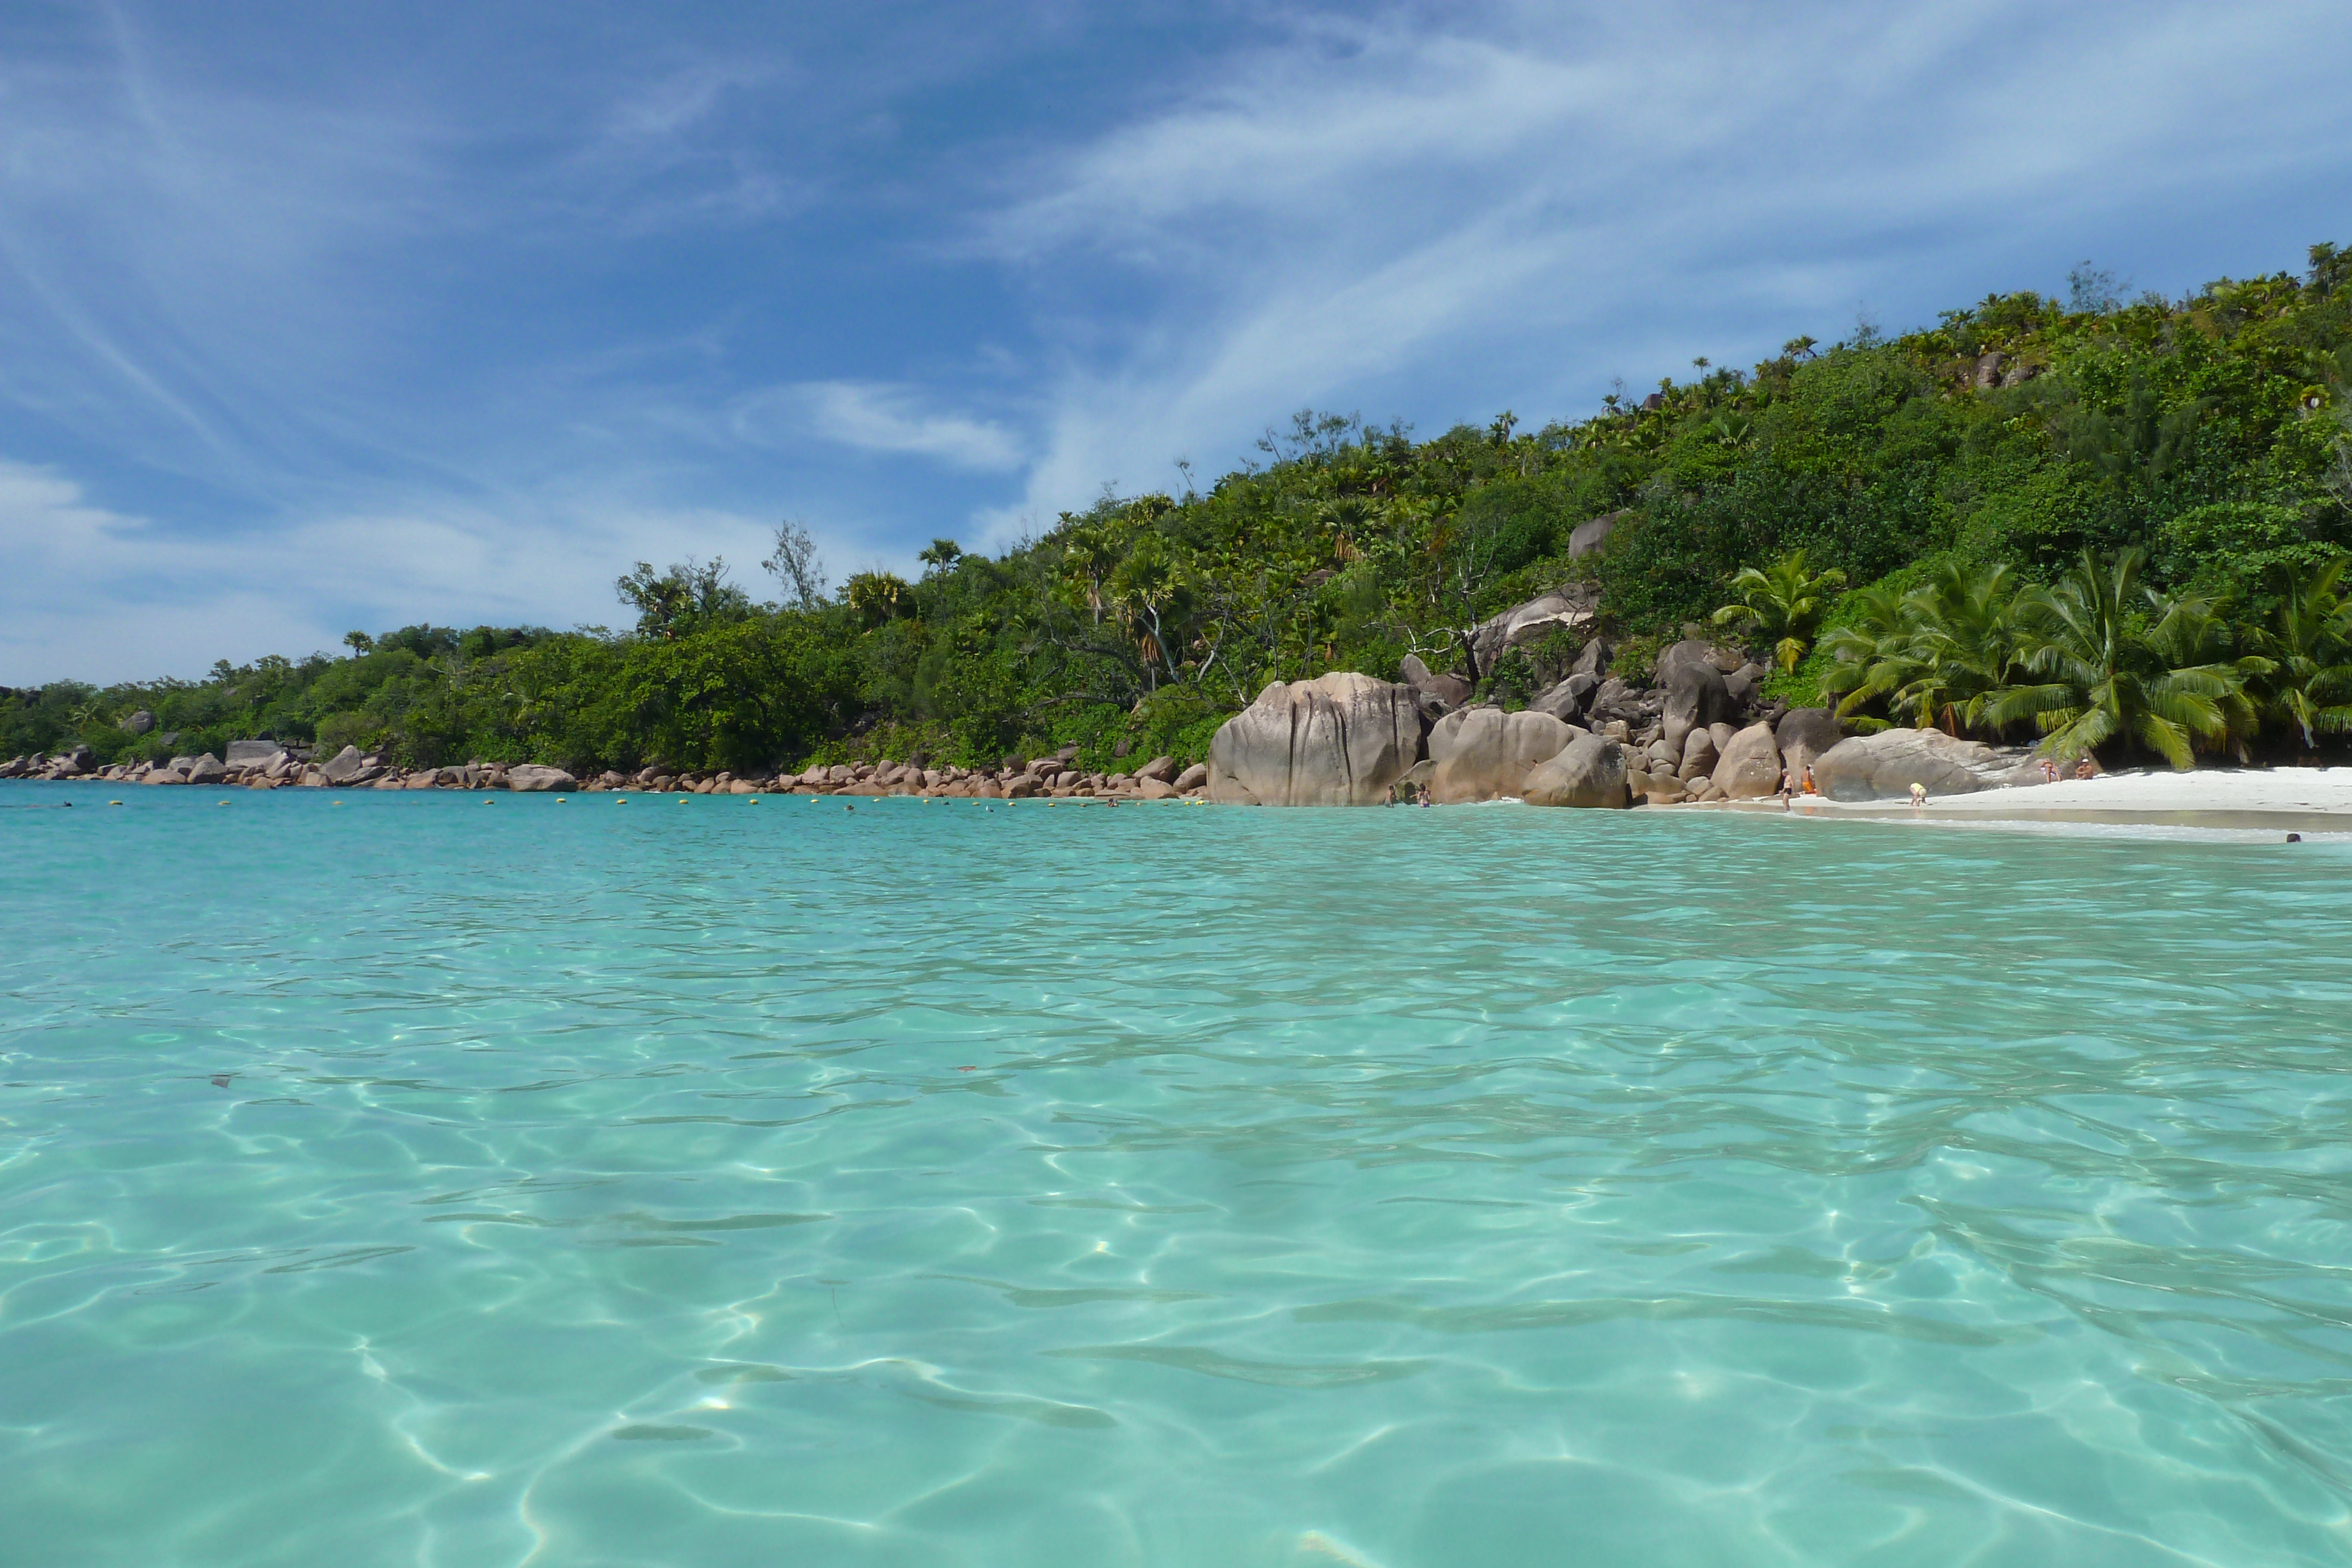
[400, 1179]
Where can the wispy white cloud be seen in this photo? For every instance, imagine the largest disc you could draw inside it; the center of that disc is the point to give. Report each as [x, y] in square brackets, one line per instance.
[875, 417]
[666, 153]
[100, 595]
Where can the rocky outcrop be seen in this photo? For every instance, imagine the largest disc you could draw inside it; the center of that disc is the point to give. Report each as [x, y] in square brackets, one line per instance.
[1884, 766]
[1588, 771]
[1341, 739]
[1696, 697]
[1565, 609]
[1804, 735]
[139, 723]
[1689, 650]
[1449, 691]
[1615, 699]
[1193, 777]
[1593, 537]
[344, 767]
[533, 778]
[1750, 768]
[1158, 770]
[1567, 700]
[206, 769]
[1486, 754]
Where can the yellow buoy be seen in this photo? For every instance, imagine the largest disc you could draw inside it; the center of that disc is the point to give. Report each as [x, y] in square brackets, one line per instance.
[114, 803]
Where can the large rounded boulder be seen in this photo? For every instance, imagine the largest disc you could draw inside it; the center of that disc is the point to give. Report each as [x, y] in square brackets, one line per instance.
[1486, 754]
[1339, 739]
[1806, 734]
[1696, 696]
[533, 776]
[1450, 690]
[1590, 771]
[1884, 766]
[1750, 768]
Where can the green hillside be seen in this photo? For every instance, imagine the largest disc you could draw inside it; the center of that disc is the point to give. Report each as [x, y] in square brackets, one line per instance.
[2189, 462]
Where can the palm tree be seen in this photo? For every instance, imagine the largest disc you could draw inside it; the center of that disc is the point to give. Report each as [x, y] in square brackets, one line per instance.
[2193, 633]
[1343, 518]
[2310, 648]
[1781, 604]
[939, 554]
[875, 597]
[1732, 429]
[1151, 590]
[1088, 557]
[2103, 678]
[1966, 644]
[1873, 654]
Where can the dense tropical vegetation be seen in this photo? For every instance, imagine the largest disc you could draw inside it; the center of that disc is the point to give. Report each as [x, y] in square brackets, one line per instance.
[2117, 524]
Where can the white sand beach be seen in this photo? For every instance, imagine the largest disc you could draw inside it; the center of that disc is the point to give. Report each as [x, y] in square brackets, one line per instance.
[2229, 802]
[2297, 789]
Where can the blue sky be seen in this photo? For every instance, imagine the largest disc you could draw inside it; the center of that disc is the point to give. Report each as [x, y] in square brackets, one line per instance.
[315, 318]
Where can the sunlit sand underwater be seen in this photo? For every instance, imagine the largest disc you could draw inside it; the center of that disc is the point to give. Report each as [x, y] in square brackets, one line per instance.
[400, 1178]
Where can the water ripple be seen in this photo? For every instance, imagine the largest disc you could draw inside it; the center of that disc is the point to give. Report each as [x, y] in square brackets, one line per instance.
[947, 1185]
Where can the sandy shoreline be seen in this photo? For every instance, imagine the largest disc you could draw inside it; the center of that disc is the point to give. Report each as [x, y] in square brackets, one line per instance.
[2232, 802]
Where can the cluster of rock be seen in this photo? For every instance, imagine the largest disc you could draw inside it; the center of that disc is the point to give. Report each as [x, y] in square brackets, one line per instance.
[1700, 732]
[265, 765]
[1057, 776]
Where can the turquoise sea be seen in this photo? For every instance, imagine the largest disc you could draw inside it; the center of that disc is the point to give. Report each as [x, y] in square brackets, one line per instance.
[455, 1180]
